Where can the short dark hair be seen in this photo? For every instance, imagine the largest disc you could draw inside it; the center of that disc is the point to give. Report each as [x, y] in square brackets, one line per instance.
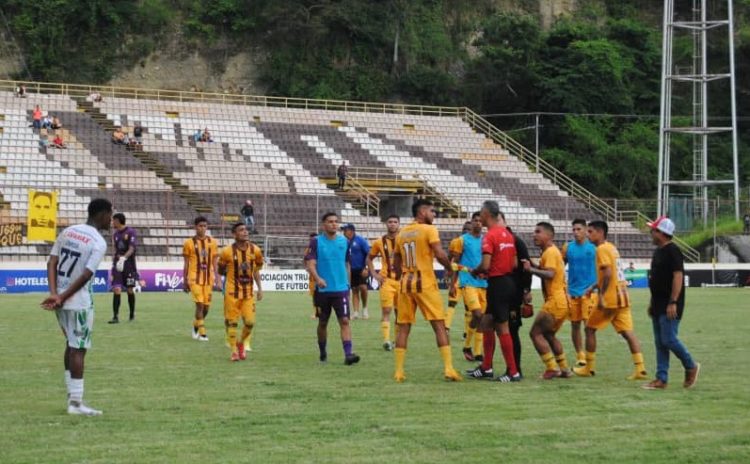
[236, 226]
[577, 221]
[393, 216]
[600, 225]
[120, 218]
[546, 226]
[98, 206]
[476, 214]
[43, 194]
[200, 219]
[419, 203]
[327, 215]
[492, 207]
[313, 234]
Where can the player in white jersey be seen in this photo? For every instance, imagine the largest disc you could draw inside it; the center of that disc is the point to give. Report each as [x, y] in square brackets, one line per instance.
[72, 264]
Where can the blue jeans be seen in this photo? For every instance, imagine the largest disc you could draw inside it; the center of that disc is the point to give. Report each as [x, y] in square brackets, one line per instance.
[665, 338]
[250, 222]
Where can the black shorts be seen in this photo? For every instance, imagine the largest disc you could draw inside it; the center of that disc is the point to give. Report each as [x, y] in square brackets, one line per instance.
[357, 278]
[327, 302]
[501, 292]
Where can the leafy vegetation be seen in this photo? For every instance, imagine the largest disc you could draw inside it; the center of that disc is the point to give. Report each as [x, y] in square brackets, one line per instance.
[700, 235]
[604, 58]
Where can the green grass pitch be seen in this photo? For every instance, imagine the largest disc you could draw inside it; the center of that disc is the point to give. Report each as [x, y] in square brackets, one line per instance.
[168, 398]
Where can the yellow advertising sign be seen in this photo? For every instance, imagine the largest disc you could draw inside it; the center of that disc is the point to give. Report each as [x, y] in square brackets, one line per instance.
[42, 218]
[11, 235]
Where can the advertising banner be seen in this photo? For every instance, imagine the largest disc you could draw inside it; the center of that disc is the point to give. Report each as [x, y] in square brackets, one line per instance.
[11, 235]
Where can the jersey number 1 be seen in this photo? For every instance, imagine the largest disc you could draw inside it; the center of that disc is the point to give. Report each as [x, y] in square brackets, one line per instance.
[66, 254]
[410, 254]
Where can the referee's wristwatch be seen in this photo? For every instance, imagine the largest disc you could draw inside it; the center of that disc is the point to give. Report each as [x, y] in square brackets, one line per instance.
[673, 302]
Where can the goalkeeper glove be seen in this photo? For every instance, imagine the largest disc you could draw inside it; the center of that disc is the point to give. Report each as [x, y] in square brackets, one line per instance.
[120, 264]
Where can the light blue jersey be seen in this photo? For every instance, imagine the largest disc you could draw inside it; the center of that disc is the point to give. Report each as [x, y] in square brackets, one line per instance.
[581, 258]
[471, 257]
[331, 256]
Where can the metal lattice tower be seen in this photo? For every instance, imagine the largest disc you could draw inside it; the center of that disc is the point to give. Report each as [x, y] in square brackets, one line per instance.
[699, 77]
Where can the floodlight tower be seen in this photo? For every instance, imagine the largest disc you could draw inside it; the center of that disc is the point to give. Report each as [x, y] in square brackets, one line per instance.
[700, 76]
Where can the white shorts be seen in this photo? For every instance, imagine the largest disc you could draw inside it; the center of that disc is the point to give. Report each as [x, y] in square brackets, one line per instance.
[77, 326]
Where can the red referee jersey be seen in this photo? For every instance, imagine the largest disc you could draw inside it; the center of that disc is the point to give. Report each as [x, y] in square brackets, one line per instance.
[499, 243]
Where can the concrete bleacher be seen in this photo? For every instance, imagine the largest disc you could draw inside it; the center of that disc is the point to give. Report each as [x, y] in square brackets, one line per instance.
[277, 156]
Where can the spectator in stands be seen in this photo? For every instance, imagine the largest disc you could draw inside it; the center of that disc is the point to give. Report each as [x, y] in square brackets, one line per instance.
[94, 97]
[20, 91]
[746, 220]
[197, 136]
[248, 215]
[138, 135]
[119, 137]
[206, 136]
[56, 124]
[36, 116]
[341, 173]
[58, 142]
[46, 121]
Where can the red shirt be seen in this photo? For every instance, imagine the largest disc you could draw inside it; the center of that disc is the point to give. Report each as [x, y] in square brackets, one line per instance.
[499, 243]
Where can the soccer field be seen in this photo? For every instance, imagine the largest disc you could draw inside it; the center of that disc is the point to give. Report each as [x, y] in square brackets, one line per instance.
[169, 398]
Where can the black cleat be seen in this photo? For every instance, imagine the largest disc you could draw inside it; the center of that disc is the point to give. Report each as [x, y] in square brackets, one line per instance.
[479, 373]
[351, 359]
[114, 320]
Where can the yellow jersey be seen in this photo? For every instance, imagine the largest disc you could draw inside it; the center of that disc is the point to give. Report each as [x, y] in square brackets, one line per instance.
[616, 293]
[552, 259]
[414, 245]
[200, 253]
[384, 247]
[240, 265]
[456, 247]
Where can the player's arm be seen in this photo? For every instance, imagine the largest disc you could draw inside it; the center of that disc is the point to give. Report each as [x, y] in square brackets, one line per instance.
[484, 265]
[185, 266]
[397, 262]
[544, 273]
[55, 301]
[215, 270]
[442, 257]
[52, 274]
[223, 263]
[256, 277]
[374, 253]
[313, 271]
[606, 277]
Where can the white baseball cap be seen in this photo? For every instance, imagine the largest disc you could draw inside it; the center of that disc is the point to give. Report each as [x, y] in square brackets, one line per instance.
[663, 224]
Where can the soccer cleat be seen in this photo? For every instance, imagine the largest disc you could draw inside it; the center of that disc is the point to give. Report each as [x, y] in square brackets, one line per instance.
[365, 314]
[82, 409]
[399, 376]
[506, 378]
[351, 359]
[583, 371]
[388, 346]
[235, 356]
[241, 351]
[195, 334]
[479, 358]
[550, 374]
[467, 355]
[638, 375]
[247, 346]
[114, 320]
[581, 363]
[355, 315]
[479, 373]
[566, 374]
[655, 384]
[323, 358]
[202, 338]
[452, 375]
[131, 318]
[691, 376]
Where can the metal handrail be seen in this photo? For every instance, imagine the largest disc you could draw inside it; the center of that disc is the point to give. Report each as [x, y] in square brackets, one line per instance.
[639, 220]
[365, 195]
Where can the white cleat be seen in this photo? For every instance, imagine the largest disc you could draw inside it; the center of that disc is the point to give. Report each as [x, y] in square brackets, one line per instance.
[355, 315]
[195, 334]
[202, 338]
[82, 410]
[365, 314]
[247, 346]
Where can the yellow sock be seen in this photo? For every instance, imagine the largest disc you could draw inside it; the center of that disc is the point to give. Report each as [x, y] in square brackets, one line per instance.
[638, 361]
[399, 356]
[232, 337]
[198, 324]
[561, 361]
[581, 356]
[247, 333]
[385, 329]
[445, 353]
[591, 361]
[449, 317]
[478, 348]
[470, 334]
[549, 361]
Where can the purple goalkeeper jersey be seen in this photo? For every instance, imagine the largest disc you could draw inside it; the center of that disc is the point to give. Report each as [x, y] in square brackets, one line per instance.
[122, 240]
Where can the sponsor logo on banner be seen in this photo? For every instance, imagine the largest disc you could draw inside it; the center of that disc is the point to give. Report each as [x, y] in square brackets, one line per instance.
[11, 235]
[27, 281]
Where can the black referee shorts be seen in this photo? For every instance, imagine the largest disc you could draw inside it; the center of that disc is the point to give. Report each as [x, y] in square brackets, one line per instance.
[501, 292]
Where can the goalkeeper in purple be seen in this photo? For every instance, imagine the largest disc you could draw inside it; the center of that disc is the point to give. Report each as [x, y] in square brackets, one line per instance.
[124, 273]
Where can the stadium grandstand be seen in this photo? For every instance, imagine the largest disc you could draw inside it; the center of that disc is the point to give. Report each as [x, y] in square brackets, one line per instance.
[283, 154]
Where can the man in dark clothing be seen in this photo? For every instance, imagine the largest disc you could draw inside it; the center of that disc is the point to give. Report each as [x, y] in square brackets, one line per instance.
[665, 280]
[341, 172]
[746, 221]
[248, 216]
[523, 295]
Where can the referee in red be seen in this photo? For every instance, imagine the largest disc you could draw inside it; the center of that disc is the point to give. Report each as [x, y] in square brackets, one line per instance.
[498, 263]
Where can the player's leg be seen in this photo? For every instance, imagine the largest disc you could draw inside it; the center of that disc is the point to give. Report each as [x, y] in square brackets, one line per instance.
[355, 299]
[670, 340]
[598, 319]
[405, 317]
[232, 313]
[662, 356]
[341, 308]
[388, 295]
[430, 302]
[576, 316]
[77, 326]
[503, 294]
[201, 295]
[515, 327]
[247, 308]
[623, 324]
[117, 285]
[542, 325]
[324, 307]
[130, 281]
[363, 293]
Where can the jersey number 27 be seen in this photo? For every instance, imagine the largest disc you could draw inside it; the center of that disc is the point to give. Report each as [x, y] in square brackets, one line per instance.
[69, 259]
